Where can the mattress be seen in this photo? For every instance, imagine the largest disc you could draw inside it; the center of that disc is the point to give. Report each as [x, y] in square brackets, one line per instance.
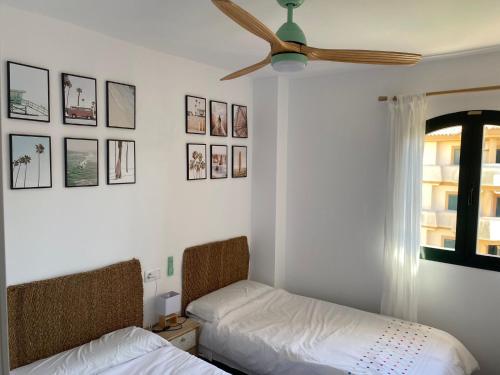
[165, 361]
[127, 351]
[281, 333]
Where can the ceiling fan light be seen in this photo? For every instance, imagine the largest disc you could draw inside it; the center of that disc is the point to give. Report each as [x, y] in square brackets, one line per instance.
[289, 62]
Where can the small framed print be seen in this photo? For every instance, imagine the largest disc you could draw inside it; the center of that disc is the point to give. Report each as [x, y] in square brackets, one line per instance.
[29, 93]
[218, 161]
[196, 119]
[79, 100]
[30, 162]
[120, 105]
[121, 162]
[196, 161]
[239, 161]
[240, 121]
[81, 162]
[218, 118]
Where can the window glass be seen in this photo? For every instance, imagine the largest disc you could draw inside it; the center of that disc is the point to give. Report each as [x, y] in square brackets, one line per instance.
[456, 156]
[452, 202]
[450, 244]
[440, 187]
[488, 235]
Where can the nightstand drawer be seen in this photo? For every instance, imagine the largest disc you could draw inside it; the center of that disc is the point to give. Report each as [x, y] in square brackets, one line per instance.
[185, 342]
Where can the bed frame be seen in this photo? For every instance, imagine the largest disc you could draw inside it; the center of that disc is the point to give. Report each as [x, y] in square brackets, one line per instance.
[50, 316]
[206, 268]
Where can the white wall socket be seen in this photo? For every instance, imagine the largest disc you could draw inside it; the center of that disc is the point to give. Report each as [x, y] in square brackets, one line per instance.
[151, 275]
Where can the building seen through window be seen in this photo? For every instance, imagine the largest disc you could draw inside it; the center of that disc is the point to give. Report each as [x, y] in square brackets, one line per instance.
[440, 201]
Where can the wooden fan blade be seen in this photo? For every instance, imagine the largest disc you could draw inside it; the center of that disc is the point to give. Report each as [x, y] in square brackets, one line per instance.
[361, 56]
[248, 69]
[249, 22]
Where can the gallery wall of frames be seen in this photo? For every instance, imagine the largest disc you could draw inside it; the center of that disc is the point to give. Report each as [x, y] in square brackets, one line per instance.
[31, 154]
[196, 153]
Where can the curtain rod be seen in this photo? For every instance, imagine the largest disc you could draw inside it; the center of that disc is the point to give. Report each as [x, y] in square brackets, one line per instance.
[434, 93]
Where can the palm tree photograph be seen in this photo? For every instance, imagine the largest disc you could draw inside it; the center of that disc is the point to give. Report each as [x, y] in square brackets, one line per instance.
[30, 162]
[79, 100]
[121, 162]
[239, 161]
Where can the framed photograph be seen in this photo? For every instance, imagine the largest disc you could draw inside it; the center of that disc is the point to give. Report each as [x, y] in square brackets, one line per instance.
[218, 161]
[218, 118]
[121, 162]
[239, 161]
[81, 162]
[196, 161]
[30, 162]
[240, 121]
[79, 100]
[29, 95]
[196, 119]
[120, 105]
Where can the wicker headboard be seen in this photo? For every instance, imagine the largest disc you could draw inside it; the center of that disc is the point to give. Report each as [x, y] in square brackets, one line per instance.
[212, 266]
[50, 316]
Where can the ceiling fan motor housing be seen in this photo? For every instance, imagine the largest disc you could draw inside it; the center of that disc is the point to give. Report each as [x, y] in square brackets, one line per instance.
[290, 32]
[293, 3]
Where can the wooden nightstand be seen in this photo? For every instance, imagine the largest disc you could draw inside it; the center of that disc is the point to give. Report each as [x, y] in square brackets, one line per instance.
[185, 338]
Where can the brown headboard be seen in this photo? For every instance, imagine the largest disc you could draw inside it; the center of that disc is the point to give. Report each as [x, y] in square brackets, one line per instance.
[212, 266]
[50, 316]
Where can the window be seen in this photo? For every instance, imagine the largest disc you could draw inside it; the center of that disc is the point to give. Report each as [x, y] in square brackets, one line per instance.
[456, 155]
[452, 202]
[449, 243]
[460, 208]
[493, 250]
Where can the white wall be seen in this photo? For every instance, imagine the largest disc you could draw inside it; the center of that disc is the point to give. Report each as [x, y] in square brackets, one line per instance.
[51, 232]
[4, 343]
[337, 168]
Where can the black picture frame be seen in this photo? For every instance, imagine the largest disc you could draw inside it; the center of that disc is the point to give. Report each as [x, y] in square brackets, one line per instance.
[10, 113]
[233, 106]
[107, 104]
[211, 161]
[66, 139]
[108, 169]
[64, 99]
[227, 125]
[188, 157]
[12, 161]
[233, 161]
[186, 101]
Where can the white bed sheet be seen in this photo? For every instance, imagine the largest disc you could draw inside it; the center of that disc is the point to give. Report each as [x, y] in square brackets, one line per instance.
[165, 361]
[281, 333]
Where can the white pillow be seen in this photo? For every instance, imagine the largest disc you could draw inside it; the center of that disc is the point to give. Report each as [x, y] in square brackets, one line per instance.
[96, 356]
[216, 305]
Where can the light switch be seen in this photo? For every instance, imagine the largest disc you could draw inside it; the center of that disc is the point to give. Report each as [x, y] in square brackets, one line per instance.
[170, 266]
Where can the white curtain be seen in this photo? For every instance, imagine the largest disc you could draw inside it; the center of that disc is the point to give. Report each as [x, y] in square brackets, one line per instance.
[402, 221]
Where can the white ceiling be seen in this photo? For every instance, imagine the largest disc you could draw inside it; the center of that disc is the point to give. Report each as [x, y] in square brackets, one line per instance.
[197, 30]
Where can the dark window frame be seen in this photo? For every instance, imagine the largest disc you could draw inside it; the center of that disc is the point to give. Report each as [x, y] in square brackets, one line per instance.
[469, 185]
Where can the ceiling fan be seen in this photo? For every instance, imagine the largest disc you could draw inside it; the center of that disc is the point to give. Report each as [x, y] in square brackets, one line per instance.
[289, 49]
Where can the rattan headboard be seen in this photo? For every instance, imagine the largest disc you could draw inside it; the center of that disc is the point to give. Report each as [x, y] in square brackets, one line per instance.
[51, 316]
[212, 266]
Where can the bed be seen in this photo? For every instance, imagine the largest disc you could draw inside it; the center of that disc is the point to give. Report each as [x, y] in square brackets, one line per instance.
[258, 329]
[90, 323]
